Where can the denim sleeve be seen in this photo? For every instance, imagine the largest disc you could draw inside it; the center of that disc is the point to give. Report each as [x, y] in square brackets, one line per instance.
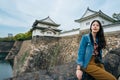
[101, 54]
[81, 51]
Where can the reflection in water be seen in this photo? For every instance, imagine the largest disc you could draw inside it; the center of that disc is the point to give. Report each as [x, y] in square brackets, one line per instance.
[5, 70]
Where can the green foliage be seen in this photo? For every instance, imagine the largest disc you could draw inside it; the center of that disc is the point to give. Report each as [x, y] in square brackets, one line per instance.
[6, 39]
[23, 36]
[19, 36]
[24, 57]
[21, 61]
[28, 35]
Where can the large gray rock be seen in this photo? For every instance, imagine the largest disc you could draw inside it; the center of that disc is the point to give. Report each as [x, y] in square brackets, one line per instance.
[112, 62]
[67, 71]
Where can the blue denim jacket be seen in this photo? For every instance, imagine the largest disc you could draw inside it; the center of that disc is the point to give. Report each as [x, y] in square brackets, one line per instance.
[85, 51]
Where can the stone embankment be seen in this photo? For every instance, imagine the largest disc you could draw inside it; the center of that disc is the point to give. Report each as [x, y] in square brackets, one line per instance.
[44, 53]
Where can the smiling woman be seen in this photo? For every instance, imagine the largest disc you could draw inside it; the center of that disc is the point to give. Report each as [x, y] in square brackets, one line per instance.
[90, 57]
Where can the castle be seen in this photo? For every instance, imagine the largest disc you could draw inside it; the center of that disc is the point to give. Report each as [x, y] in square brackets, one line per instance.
[47, 27]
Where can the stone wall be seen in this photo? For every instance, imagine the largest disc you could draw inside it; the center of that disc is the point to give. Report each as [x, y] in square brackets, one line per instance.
[21, 56]
[14, 50]
[70, 45]
[6, 46]
[113, 41]
[67, 71]
[46, 52]
[36, 54]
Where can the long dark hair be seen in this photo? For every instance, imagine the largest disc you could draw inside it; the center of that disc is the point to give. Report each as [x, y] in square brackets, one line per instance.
[100, 35]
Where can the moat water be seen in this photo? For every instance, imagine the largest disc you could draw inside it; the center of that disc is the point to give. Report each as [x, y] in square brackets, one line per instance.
[5, 69]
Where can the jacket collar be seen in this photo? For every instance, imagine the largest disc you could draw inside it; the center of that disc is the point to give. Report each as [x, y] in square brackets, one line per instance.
[91, 37]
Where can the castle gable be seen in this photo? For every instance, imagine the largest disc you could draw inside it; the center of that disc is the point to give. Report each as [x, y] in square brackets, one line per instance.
[88, 12]
[47, 20]
[45, 27]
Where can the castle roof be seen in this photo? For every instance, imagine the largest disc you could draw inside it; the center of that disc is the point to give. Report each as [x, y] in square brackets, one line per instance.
[47, 21]
[90, 14]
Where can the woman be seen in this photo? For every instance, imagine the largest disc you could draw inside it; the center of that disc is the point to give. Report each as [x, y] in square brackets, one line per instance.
[90, 54]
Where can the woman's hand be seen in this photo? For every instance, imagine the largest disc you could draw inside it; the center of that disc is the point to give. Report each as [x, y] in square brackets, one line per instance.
[79, 74]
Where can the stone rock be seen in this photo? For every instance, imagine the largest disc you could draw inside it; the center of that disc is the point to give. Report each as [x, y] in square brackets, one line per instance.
[112, 62]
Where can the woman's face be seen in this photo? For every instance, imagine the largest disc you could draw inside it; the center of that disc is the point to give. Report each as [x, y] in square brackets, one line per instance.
[95, 27]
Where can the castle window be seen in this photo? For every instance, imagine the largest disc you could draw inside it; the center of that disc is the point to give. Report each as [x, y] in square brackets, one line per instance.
[49, 32]
[102, 22]
[49, 27]
[88, 23]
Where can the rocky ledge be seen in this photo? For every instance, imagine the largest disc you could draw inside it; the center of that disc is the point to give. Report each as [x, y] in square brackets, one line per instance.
[67, 71]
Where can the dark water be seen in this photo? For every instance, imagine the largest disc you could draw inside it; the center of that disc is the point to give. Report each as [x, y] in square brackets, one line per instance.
[5, 70]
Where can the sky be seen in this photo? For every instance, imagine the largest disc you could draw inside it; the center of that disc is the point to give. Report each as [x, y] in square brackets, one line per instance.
[17, 16]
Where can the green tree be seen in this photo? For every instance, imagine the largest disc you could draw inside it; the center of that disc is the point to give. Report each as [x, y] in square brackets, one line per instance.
[20, 36]
[28, 35]
[7, 39]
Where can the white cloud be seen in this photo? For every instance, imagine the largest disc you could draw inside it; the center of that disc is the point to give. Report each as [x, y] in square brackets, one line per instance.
[110, 6]
[22, 13]
[62, 11]
[12, 22]
[34, 8]
[66, 11]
